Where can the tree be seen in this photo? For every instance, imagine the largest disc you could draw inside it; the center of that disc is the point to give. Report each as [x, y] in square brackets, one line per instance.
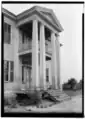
[80, 83]
[72, 82]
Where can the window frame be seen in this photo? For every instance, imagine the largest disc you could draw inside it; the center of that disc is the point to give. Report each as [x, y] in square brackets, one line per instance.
[6, 70]
[47, 74]
[7, 33]
[9, 71]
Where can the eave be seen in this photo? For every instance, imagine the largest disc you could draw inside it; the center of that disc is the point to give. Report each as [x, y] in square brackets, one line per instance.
[35, 12]
[8, 14]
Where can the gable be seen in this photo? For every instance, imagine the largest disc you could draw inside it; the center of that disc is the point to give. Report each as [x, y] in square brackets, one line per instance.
[46, 13]
[49, 17]
[49, 14]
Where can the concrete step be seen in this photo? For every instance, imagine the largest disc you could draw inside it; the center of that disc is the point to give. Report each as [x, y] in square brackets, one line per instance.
[62, 99]
[57, 95]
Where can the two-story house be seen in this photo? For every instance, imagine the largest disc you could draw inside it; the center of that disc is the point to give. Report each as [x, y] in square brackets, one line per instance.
[32, 48]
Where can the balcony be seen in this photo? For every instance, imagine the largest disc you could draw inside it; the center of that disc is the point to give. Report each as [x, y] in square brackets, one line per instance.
[28, 46]
[25, 46]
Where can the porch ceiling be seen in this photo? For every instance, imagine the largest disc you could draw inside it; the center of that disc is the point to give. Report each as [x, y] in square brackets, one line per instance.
[27, 58]
[27, 28]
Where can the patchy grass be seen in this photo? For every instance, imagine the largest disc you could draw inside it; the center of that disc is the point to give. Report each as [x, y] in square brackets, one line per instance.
[73, 105]
[73, 92]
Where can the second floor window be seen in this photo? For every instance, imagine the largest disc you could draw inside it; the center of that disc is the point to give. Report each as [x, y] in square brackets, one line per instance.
[7, 33]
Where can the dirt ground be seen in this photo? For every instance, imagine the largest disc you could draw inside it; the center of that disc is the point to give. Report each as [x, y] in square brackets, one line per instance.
[73, 105]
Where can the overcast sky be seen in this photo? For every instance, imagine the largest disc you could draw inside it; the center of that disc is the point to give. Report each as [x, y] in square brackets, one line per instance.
[70, 17]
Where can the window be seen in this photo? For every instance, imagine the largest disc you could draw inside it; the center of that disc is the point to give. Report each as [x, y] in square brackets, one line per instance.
[47, 75]
[11, 71]
[8, 71]
[7, 33]
[23, 37]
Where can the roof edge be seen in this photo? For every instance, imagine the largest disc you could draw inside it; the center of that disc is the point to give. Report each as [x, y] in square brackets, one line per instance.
[57, 20]
[8, 13]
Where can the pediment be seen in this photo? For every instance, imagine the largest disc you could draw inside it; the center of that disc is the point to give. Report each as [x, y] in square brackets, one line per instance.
[49, 17]
[49, 14]
[46, 13]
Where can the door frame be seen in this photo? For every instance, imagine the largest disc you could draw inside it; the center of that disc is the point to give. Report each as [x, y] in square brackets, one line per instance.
[27, 67]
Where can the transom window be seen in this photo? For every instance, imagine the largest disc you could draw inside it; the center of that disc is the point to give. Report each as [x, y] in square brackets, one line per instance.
[7, 33]
[8, 71]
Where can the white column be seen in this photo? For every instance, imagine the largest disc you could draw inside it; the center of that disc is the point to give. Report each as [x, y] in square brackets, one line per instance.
[58, 62]
[17, 62]
[42, 57]
[35, 76]
[53, 61]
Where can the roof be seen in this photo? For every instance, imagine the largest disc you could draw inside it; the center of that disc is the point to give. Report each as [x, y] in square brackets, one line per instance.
[45, 12]
[8, 14]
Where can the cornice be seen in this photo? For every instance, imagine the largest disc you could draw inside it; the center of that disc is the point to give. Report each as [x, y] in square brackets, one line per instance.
[34, 10]
[8, 14]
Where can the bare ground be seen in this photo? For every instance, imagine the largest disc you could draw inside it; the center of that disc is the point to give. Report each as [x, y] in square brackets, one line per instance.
[73, 105]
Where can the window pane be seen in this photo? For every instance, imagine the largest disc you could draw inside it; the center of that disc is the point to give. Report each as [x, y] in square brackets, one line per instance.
[22, 74]
[7, 33]
[11, 77]
[5, 37]
[8, 38]
[23, 37]
[9, 27]
[5, 76]
[47, 72]
[5, 27]
[6, 66]
[11, 65]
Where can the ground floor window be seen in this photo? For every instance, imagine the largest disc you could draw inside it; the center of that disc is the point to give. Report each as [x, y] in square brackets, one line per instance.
[8, 71]
[47, 75]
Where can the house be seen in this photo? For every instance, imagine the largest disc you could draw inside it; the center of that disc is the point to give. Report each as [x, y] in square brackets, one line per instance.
[31, 48]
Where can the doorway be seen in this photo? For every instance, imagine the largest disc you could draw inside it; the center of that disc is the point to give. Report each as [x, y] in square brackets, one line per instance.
[26, 75]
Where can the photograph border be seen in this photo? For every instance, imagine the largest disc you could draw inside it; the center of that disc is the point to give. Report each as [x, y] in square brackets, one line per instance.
[32, 114]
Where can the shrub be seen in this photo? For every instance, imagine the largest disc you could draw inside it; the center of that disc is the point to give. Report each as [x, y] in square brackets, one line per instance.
[29, 97]
[70, 84]
[35, 96]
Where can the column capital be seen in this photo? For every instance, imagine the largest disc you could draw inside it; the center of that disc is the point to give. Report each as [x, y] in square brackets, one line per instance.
[52, 32]
[35, 18]
[57, 35]
[53, 37]
[42, 24]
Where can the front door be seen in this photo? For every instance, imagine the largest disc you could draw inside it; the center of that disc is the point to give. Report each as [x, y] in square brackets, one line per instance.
[26, 75]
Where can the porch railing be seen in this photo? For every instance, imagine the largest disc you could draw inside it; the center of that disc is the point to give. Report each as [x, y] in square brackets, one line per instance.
[28, 46]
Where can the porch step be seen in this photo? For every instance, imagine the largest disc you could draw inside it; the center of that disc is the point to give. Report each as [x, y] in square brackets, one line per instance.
[56, 95]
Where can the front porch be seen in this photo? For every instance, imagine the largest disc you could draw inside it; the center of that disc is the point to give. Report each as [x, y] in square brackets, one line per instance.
[26, 71]
[25, 42]
[38, 52]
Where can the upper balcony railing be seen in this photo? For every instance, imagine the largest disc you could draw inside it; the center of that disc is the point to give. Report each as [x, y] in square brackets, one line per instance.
[28, 46]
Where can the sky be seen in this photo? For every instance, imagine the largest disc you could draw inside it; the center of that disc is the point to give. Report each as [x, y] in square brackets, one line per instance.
[70, 17]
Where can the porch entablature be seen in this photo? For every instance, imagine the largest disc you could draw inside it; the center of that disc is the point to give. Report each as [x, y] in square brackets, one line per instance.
[47, 15]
